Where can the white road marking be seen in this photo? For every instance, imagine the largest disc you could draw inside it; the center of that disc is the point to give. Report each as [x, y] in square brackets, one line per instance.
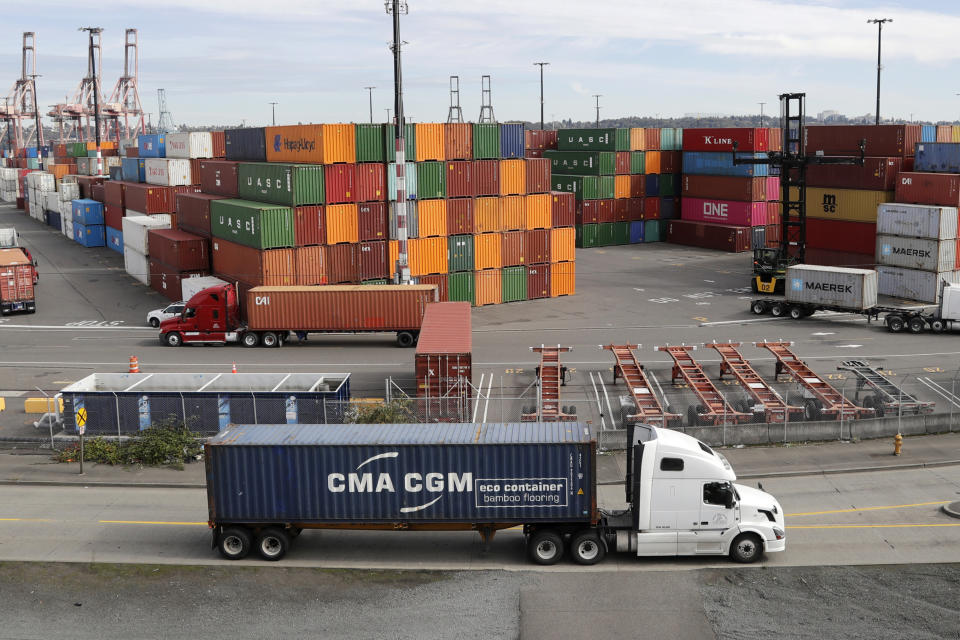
[746, 321]
[64, 327]
[849, 346]
[823, 333]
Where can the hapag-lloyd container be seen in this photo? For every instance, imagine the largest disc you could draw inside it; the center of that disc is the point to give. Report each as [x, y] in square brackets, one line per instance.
[833, 286]
[193, 212]
[748, 214]
[196, 144]
[588, 139]
[168, 172]
[245, 145]
[929, 188]
[912, 284]
[372, 221]
[460, 216]
[938, 157]
[877, 174]
[287, 184]
[721, 164]
[309, 225]
[312, 143]
[722, 139]
[707, 235]
[219, 177]
[841, 235]
[917, 253]
[178, 249]
[254, 224]
[232, 261]
[724, 188]
[917, 221]
[135, 231]
[882, 140]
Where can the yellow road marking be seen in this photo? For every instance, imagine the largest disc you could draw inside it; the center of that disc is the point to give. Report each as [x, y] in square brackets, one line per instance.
[182, 524]
[870, 526]
[893, 506]
[25, 520]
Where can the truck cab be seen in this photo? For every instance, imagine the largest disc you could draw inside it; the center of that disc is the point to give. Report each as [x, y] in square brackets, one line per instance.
[210, 316]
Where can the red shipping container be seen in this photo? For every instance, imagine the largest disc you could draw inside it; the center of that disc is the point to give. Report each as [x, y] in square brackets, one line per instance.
[670, 161]
[486, 177]
[96, 192]
[651, 208]
[533, 153]
[621, 210]
[373, 260]
[339, 183]
[511, 248]
[728, 212]
[538, 281]
[907, 164]
[113, 216]
[722, 139]
[180, 250]
[841, 235]
[193, 212]
[150, 199]
[828, 258]
[538, 175]
[458, 141]
[133, 152]
[372, 221]
[772, 188]
[113, 193]
[724, 188]
[460, 179]
[538, 139]
[371, 182]
[928, 188]
[459, 216]
[605, 210]
[638, 186]
[309, 226]
[772, 235]
[548, 139]
[444, 360]
[876, 174]
[621, 166]
[440, 280]
[563, 209]
[634, 209]
[219, 144]
[165, 279]
[588, 211]
[341, 262]
[536, 246]
[219, 177]
[775, 139]
[709, 236]
[651, 139]
[882, 140]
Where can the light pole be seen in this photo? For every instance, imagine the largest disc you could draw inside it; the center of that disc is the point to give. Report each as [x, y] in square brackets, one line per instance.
[388, 114]
[541, 65]
[370, 92]
[36, 114]
[761, 113]
[597, 97]
[879, 22]
[96, 94]
[273, 109]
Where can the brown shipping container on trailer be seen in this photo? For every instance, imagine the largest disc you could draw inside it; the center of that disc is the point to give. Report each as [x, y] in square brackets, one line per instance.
[928, 188]
[372, 261]
[876, 174]
[372, 221]
[193, 212]
[219, 177]
[309, 225]
[538, 175]
[165, 279]
[882, 140]
[181, 250]
[460, 179]
[511, 248]
[459, 216]
[440, 280]
[563, 209]
[536, 246]
[343, 308]
[273, 267]
[444, 358]
[708, 236]
[486, 177]
[458, 140]
[341, 263]
[538, 281]
[310, 265]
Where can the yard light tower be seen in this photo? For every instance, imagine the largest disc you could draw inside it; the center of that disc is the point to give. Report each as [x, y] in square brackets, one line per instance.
[401, 270]
[879, 22]
[370, 94]
[597, 97]
[541, 65]
[273, 112]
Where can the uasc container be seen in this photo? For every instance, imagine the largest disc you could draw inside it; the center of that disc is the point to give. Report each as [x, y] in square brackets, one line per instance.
[254, 224]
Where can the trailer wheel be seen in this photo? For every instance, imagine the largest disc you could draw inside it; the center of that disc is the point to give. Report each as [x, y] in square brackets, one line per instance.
[587, 548]
[545, 547]
[796, 312]
[875, 403]
[250, 339]
[405, 339]
[758, 307]
[895, 323]
[272, 543]
[938, 326]
[746, 548]
[916, 324]
[173, 339]
[778, 309]
[269, 339]
[812, 409]
[234, 543]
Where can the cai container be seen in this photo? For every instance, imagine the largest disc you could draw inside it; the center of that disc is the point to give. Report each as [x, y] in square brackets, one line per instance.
[178, 249]
[254, 224]
[832, 286]
[924, 254]
[917, 221]
[168, 172]
[748, 214]
[460, 216]
[286, 184]
[881, 140]
[723, 139]
[219, 177]
[245, 145]
[912, 284]
[196, 144]
[877, 174]
[708, 235]
[372, 221]
[232, 261]
[136, 231]
[928, 188]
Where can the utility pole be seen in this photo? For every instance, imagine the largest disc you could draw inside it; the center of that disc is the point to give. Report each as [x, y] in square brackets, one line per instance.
[388, 114]
[879, 22]
[96, 93]
[541, 65]
[761, 113]
[370, 93]
[273, 110]
[597, 96]
[396, 8]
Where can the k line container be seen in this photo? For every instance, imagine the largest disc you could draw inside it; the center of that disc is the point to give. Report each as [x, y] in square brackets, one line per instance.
[748, 214]
[136, 231]
[286, 184]
[232, 261]
[722, 139]
[917, 253]
[833, 286]
[917, 221]
[929, 188]
[254, 224]
[196, 144]
[218, 177]
[709, 236]
[853, 205]
[721, 164]
[882, 140]
[245, 145]
[912, 284]
[429, 142]
[179, 250]
[878, 174]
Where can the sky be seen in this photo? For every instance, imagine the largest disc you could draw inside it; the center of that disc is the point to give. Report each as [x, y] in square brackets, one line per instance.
[224, 61]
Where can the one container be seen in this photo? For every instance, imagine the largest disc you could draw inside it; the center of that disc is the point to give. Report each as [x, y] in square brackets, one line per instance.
[341, 223]
[168, 172]
[917, 221]
[488, 288]
[372, 221]
[232, 261]
[193, 212]
[246, 145]
[723, 187]
[747, 214]
[487, 249]
[309, 225]
[882, 140]
[218, 177]
[458, 141]
[486, 177]
[429, 142]
[877, 174]
[287, 184]
[563, 279]
[854, 205]
[339, 183]
[444, 359]
[460, 248]
[929, 188]
[136, 231]
[178, 249]
[151, 145]
[372, 260]
[833, 286]
[912, 284]
[196, 144]
[938, 157]
[917, 253]
[486, 141]
[587, 139]
[563, 208]
[707, 235]
[723, 139]
[459, 179]
[254, 224]
[460, 216]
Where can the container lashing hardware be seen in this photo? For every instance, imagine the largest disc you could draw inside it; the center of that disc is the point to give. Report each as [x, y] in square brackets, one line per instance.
[894, 400]
[775, 409]
[649, 410]
[714, 409]
[550, 376]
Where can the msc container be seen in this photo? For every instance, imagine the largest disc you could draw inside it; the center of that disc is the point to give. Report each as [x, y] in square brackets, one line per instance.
[587, 139]
[196, 144]
[917, 253]
[178, 249]
[704, 234]
[917, 221]
[938, 157]
[721, 164]
[429, 142]
[136, 231]
[136, 265]
[409, 180]
[832, 286]
[461, 286]
[877, 174]
[232, 261]
[583, 163]
[458, 141]
[724, 187]
[912, 284]
[486, 141]
[287, 184]
[722, 139]
[168, 172]
[254, 224]
[339, 183]
[929, 188]
[444, 359]
[431, 180]
[841, 235]
[310, 265]
[460, 216]
[460, 250]
[245, 145]
[88, 212]
[218, 177]
[372, 221]
[748, 214]
[370, 143]
[882, 140]
[151, 145]
[854, 205]
[411, 211]
[511, 140]
[193, 212]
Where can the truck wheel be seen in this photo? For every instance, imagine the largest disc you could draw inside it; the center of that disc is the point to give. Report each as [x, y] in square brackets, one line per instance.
[545, 547]
[812, 409]
[938, 326]
[272, 543]
[269, 339]
[778, 309]
[234, 543]
[173, 339]
[250, 339]
[797, 312]
[405, 339]
[916, 324]
[587, 548]
[895, 323]
[746, 548]
[758, 307]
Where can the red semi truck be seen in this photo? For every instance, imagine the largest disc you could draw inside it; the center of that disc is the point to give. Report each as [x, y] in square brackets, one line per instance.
[213, 316]
[17, 277]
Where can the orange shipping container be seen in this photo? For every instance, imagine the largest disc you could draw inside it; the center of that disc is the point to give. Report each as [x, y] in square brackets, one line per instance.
[513, 175]
[429, 142]
[621, 186]
[637, 139]
[563, 243]
[513, 213]
[59, 170]
[486, 215]
[563, 279]
[339, 143]
[487, 287]
[651, 138]
[311, 143]
[458, 141]
[651, 161]
[311, 268]
[394, 251]
[342, 225]
[431, 218]
[486, 251]
[538, 209]
[427, 256]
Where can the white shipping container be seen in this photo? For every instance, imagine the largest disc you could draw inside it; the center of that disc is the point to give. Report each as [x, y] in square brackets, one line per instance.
[135, 263]
[917, 221]
[190, 287]
[167, 172]
[917, 253]
[68, 191]
[831, 286]
[51, 201]
[196, 144]
[913, 284]
[136, 228]
[67, 226]
[41, 181]
[8, 238]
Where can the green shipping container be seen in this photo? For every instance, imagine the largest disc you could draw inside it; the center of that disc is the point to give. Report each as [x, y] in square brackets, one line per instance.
[604, 234]
[587, 140]
[583, 187]
[460, 257]
[254, 224]
[78, 149]
[652, 230]
[622, 141]
[668, 184]
[409, 142]
[486, 141]
[636, 162]
[621, 233]
[514, 284]
[605, 187]
[671, 139]
[460, 287]
[582, 163]
[370, 147]
[289, 184]
[587, 235]
[431, 180]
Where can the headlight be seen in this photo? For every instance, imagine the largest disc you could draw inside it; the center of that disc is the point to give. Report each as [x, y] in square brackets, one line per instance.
[779, 533]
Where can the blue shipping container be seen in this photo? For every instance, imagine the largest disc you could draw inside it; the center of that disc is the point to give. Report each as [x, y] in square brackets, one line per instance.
[53, 219]
[713, 163]
[152, 145]
[133, 169]
[417, 473]
[938, 157]
[636, 231]
[115, 240]
[668, 208]
[31, 152]
[89, 235]
[116, 173]
[86, 211]
[651, 187]
[511, 141]
[247, 145]
[928, 133]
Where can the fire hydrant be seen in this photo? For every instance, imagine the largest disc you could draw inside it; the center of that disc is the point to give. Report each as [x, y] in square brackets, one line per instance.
[897, 444]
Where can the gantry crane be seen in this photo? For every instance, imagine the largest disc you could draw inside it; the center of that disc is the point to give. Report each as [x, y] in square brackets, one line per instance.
[73, 116]
[648, 407]
[124, 102]
[21, 103]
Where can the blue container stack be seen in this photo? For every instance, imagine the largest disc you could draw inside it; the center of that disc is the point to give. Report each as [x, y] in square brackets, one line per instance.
[115, 240]
[88, 227]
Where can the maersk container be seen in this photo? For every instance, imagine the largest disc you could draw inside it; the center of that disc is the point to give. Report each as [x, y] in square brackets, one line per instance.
[912, 284]
[917, 221]
[511, 140]
[938, 157]
[246, 145]
[582, 163]
[832, 286]
[486, 141]
[402, 473]
[721, 164]
[133, 169]
[917, 253]
[292, 185]
[587, 139]
[152, 145]
[253, 224]
[409, 179]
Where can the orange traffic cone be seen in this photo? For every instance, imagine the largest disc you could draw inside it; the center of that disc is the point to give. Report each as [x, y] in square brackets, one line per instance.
[234, 370]
[134, 365]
